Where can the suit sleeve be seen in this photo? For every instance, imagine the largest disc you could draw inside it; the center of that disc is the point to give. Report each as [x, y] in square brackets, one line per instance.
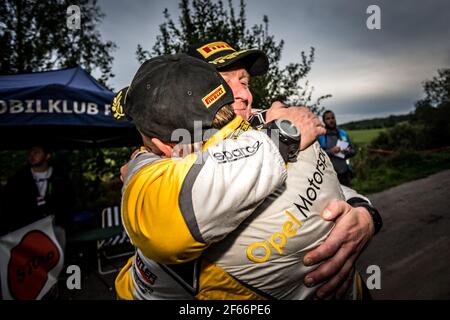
[173, 209]
[351, 193]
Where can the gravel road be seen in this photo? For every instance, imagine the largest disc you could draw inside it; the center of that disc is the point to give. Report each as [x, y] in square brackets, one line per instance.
[413, 248]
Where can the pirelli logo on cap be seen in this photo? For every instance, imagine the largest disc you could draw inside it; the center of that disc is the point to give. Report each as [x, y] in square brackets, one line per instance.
[213, 47]
[213, 96]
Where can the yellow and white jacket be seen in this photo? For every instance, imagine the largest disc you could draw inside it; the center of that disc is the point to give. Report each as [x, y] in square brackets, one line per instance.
[174, 209]
[263, 257]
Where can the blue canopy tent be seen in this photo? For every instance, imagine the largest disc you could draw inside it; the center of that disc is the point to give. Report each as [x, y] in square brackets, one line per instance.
[66, 108]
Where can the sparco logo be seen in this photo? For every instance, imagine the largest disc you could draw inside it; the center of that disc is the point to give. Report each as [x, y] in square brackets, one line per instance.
[237, 154]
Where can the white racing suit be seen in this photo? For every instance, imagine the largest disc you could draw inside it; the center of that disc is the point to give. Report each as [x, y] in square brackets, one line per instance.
[263, 257]
[173, 209]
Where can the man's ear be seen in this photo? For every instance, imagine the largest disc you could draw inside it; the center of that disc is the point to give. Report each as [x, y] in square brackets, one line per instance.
[165, 148]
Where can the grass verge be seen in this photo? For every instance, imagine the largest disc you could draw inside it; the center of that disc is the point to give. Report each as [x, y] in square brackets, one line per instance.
[384, 172]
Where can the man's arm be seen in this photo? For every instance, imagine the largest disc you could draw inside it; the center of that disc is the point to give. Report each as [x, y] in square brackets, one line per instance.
[351, 151]
[353, 231]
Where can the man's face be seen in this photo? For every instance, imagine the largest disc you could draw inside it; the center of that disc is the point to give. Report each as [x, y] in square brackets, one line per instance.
[238, 79]
[37, 156]
[330, 120]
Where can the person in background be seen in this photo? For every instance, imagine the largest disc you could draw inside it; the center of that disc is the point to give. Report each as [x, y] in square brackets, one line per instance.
[36, 191]
[338, 146]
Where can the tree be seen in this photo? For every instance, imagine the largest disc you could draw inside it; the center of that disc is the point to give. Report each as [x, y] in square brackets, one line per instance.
[429, 126]
[205, 19]
[438, 90]
[434, 107]
[34, 37]
[433, 112]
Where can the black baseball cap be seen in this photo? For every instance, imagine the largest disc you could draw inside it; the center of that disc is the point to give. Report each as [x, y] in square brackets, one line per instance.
[221, 55]
[170, 92]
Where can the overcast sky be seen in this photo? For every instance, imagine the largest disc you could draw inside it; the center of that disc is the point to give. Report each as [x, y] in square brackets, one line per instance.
[370, 73]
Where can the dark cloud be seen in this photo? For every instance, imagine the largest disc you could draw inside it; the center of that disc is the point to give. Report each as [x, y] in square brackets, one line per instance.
[368, 72]
[403, 23]
[376, 105]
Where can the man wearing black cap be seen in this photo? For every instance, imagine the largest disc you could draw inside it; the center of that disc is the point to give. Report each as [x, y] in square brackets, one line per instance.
[236, 67]
[173, 209]
[357, 224]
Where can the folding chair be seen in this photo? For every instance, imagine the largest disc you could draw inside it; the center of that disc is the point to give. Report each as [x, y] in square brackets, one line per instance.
[115, 247]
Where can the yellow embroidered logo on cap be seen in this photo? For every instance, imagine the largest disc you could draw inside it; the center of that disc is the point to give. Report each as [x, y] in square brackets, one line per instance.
[117, 107]
[213, 47]
[228, 57]
[213, 96]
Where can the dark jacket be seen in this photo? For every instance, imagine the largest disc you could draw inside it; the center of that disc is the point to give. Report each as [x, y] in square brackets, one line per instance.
[19, 200]
[329, 140]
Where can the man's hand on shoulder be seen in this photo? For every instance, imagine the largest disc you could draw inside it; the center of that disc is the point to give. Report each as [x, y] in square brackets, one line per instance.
[309, 124]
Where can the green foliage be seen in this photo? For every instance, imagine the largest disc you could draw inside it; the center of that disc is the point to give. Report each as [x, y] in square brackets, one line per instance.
[10, 162]
[34, 37]
[202, 20]
[375, 173]
[428, 128]
[438, 90]
[93, 172]
[98, 164]
[403, 136]
[429, 125]
[435, 120]
[364, 137]
[387, 122]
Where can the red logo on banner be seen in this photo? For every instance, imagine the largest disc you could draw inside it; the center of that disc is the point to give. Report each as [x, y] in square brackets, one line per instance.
[29, 264]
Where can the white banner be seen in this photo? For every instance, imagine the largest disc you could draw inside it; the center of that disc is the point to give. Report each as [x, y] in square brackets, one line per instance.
[30, 261]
